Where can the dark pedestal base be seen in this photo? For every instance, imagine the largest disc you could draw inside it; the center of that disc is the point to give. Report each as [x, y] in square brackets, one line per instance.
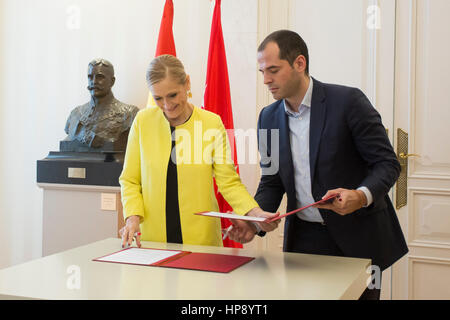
[84, 168]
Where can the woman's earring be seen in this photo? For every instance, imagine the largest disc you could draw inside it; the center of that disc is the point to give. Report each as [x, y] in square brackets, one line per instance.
[189, 94]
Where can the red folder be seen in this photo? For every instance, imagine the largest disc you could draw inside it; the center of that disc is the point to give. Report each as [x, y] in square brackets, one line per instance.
[324, 200]
[194, 261]
[328, 199]
[208, 262]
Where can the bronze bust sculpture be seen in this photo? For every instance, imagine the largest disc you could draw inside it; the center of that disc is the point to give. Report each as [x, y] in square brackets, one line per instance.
[97, 133]
[103, 123]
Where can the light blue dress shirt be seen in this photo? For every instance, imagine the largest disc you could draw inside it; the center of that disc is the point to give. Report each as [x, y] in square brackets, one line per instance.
[299, 139]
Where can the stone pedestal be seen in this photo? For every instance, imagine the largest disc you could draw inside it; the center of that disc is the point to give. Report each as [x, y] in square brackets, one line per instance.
[81, 198]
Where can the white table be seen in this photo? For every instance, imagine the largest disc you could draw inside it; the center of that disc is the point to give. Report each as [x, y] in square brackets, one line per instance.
[271, 276]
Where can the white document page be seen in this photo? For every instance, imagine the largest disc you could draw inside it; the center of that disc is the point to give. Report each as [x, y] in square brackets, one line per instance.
[231, 216]
[138, 256]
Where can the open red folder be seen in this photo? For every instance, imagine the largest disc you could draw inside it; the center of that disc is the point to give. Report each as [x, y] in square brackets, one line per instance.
[176, 259]
[260, 219]
[324, 200]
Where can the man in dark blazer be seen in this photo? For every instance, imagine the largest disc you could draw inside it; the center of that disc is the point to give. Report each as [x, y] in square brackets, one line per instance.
[330, 140]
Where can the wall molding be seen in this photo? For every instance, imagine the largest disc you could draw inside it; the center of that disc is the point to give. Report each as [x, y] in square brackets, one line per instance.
[429, 176]
[429, 244]
[420, 259]
[411, 225]
[423, 190]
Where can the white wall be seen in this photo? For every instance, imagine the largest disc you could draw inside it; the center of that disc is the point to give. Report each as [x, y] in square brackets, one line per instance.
[333, 31]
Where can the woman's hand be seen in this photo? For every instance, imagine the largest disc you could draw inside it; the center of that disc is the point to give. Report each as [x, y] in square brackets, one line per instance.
[131, 230]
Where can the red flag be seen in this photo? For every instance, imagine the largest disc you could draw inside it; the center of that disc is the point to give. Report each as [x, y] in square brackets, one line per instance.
[217, 99]
[166, 44]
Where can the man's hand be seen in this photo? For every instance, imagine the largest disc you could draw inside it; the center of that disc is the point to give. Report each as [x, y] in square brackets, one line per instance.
[346, 202]
[241, 231]
[128, 232]
[265, 226]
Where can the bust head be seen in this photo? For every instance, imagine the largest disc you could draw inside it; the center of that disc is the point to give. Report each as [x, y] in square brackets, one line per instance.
[104, 121]
[100, 78]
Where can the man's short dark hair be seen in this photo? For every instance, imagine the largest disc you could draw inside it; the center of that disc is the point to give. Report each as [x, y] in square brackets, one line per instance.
[291, 46]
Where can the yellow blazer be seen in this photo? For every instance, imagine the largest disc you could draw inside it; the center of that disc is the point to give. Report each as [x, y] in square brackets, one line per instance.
[202, 152]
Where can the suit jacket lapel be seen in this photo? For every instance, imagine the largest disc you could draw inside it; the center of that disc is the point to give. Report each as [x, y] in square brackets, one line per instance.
[317, 120]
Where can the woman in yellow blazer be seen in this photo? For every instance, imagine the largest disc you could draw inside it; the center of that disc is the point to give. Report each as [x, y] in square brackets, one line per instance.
[172, 155]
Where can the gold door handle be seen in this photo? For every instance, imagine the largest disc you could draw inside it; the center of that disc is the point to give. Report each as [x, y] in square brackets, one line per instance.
[402, 182]
[402, 155]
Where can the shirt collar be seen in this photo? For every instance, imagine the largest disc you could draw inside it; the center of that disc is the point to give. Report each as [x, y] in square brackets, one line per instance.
[306, 100]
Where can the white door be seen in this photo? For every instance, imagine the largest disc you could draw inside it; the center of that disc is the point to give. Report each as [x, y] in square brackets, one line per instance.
[422, 109]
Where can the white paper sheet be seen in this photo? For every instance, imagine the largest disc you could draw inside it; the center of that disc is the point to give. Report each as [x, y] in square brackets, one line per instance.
[231, 216]
[141, 256]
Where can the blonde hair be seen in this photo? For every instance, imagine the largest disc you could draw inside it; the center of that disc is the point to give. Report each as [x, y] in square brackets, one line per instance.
[163, 66]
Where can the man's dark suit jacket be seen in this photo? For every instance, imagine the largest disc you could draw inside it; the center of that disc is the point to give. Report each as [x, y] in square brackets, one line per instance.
[349, 148]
